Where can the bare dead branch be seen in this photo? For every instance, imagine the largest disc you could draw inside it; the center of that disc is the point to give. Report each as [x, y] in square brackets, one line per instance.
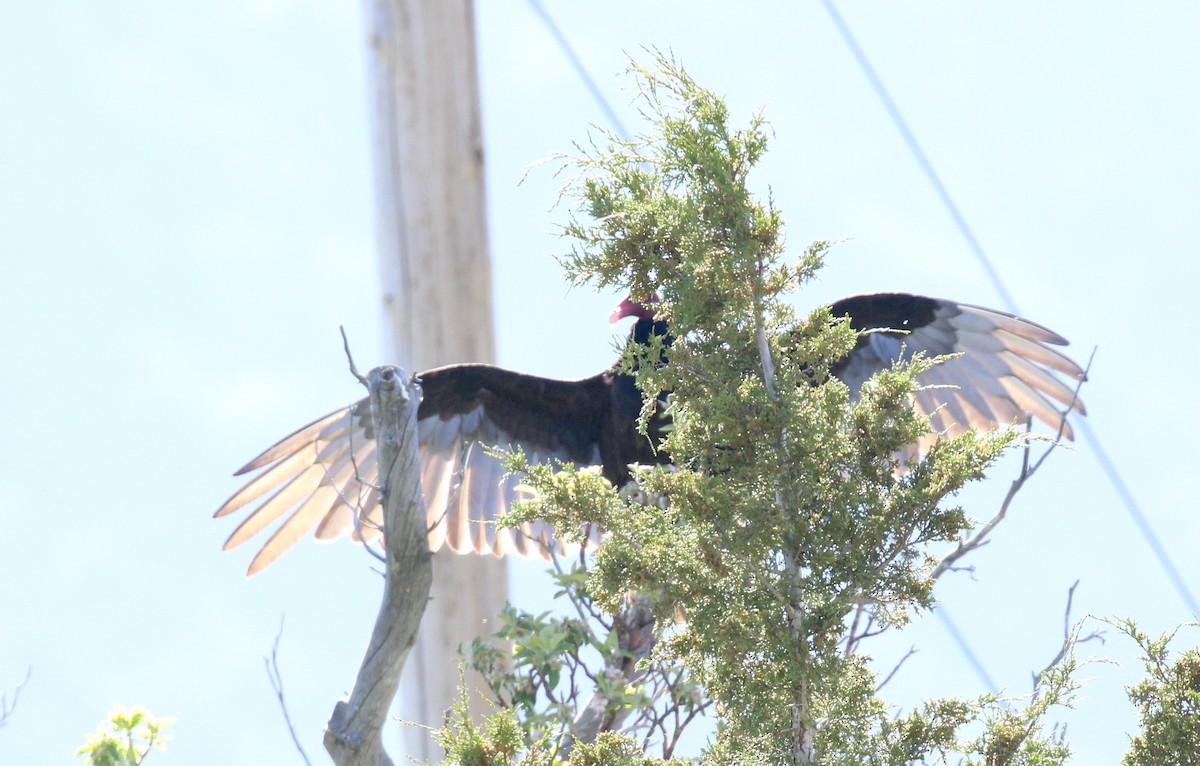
[585, 617]
[979, 539]
[353, 735]
[276, 677]
[357, 508]
[669, 722]
[911, 651]
[681, 723]
[350, 358]
[635, 631]
[852, 634]
[1024, 475]
[1068, 640]
[7, 706]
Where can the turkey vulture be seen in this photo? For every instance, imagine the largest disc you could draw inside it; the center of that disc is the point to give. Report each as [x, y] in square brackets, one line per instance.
[327, 470]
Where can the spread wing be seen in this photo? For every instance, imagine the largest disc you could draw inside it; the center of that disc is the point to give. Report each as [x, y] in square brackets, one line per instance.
[1006, 370]
[324, 477]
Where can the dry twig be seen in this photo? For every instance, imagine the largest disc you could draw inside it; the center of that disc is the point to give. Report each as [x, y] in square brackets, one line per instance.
[8, 706]
[635, 631]
[1068, 641]
[276, 677]
[1026, 473]
[358, 507]
[911, 651]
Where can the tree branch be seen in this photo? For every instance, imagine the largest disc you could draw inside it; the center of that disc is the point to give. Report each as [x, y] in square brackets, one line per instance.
[911, 651]
[1069, 641]
[353, 736]
[276, 677]
[6, 706]
[1026, 473]
[635, 639]
[358, 506]
[350, 358]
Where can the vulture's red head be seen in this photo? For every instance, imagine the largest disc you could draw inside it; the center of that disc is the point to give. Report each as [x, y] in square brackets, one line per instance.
[629, 308]
[647, 324]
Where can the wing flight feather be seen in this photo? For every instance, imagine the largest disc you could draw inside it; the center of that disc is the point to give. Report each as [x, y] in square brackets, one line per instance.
[1002, 368]
[325, 474]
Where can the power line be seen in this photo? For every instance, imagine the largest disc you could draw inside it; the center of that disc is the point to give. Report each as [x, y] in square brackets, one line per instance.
[914, 147]
[1139, 517]
[965, 648]
[1141, 521]
[565, 46]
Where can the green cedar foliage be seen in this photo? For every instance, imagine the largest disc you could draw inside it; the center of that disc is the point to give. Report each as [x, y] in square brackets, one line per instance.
[1167, 701]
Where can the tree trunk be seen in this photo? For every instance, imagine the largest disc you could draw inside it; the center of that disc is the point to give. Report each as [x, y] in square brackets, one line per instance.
[354, 736]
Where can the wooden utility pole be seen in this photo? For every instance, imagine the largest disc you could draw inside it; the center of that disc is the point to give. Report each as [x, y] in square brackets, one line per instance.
[436, 283]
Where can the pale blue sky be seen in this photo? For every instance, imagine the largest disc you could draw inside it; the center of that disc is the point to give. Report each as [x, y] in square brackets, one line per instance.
[187, 217]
